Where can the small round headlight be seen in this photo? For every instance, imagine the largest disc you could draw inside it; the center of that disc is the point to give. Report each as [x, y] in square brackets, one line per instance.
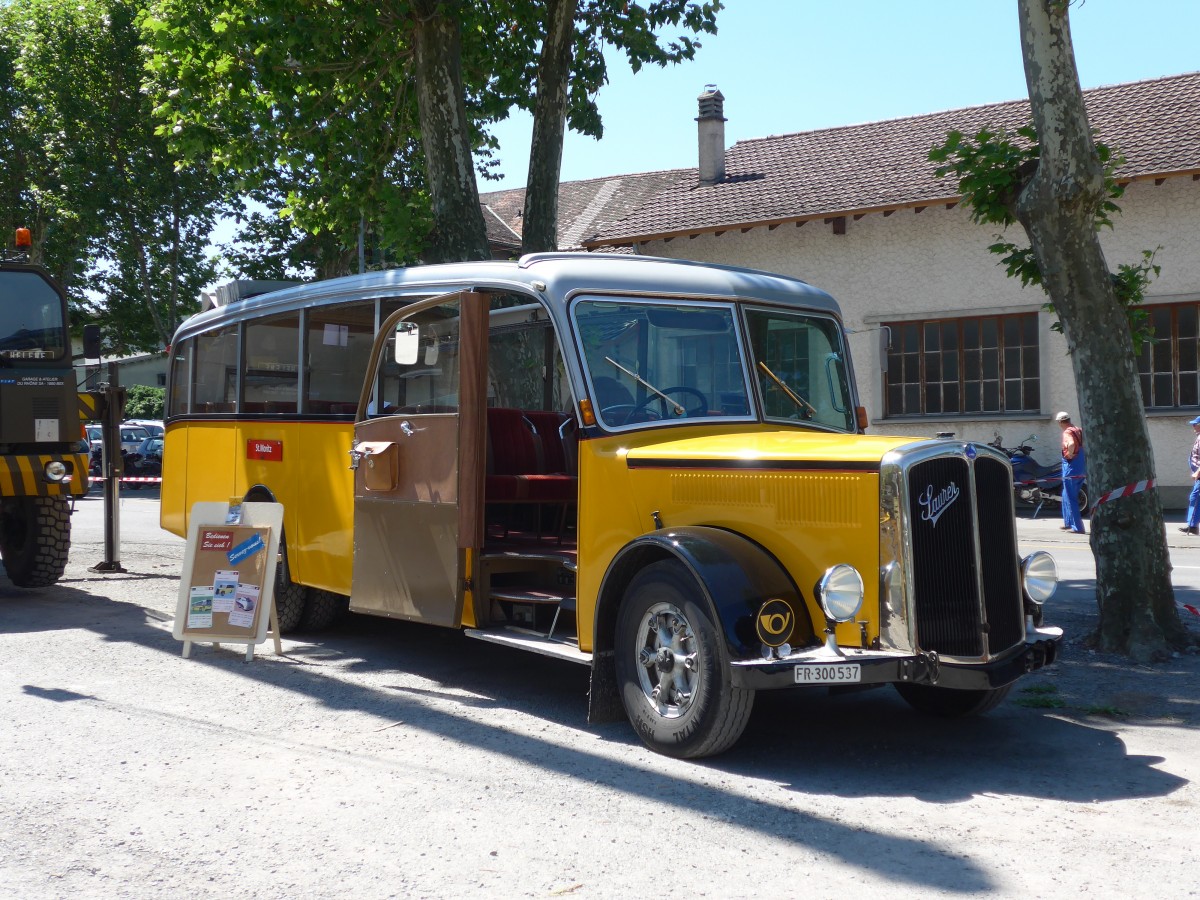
[56, 471]
[1040, 576]
[841, 592]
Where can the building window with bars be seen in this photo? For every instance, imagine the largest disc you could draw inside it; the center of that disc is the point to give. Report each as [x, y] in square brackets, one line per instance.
[966, 366]
[1167, 363]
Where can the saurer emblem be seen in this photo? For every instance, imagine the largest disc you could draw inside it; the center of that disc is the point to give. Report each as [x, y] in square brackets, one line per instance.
[933, 505]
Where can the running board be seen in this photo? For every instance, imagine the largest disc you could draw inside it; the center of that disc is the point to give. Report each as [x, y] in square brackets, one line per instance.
[533, 642]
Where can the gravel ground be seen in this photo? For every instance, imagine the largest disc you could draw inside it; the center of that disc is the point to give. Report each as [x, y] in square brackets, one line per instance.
[393, 760]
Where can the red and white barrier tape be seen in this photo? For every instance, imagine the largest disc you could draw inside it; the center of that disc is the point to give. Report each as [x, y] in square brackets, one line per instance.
[138, 479]
[1128, 491]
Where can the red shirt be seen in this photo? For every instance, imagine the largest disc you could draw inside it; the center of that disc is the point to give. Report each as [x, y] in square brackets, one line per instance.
[1072, 441]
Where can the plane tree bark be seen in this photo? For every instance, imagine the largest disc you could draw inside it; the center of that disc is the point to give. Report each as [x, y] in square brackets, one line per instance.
[540, 231]
[459, 232]
[1058, 205]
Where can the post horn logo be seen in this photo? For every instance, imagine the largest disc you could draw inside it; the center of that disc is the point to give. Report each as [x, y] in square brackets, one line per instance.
[774, 623]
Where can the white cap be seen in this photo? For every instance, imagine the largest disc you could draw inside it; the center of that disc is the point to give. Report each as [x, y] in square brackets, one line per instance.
[1063, 417]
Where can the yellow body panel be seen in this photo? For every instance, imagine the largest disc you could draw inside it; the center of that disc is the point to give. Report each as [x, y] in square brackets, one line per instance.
[808, 518]
[313, 481]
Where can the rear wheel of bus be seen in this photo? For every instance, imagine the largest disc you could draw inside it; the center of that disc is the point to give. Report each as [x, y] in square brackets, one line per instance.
[35, 538]
[289, 596]
[672, 668]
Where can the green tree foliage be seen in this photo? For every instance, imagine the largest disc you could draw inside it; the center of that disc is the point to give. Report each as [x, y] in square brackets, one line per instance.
[334, 109]
[120, 225]
[569, 70]
[991, 168]
[310, 105]
[144, 402]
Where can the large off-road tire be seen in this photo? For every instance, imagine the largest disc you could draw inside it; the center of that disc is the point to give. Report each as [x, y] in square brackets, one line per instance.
[949, 703]
[35, 538]
[673, 669]
[321, 610]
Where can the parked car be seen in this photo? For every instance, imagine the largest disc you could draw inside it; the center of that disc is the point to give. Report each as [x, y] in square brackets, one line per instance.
[153, 427]
[132, 437]
[146, 461]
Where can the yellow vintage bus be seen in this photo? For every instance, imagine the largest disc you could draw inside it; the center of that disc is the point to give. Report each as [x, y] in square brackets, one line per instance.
[651, 467]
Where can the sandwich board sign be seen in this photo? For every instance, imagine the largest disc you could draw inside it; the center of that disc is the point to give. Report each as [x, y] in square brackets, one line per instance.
[226, 594]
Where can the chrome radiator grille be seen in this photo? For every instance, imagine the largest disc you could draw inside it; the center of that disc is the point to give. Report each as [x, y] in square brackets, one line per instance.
[967, 600]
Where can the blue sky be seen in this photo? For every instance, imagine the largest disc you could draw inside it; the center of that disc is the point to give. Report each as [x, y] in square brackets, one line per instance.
[795, 65]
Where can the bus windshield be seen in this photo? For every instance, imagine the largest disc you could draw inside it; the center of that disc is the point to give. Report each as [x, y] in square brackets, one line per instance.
[31, 317]
[800, 367]
[652, 361]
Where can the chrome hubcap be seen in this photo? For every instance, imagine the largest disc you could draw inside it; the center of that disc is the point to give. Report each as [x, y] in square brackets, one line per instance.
[668, 669]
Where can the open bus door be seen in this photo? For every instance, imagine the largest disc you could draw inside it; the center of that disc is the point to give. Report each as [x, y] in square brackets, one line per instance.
[418, 455]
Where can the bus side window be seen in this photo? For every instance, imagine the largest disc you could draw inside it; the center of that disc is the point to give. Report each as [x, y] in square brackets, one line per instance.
[215, 370]
[337, 347]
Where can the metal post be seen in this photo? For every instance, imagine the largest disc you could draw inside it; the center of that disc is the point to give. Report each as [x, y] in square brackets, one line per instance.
[113, 468]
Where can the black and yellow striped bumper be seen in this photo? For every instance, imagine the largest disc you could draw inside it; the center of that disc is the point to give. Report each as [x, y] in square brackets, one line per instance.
[22, 475]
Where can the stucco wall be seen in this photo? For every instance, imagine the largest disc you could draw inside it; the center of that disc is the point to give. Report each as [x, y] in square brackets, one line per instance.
[935, 264]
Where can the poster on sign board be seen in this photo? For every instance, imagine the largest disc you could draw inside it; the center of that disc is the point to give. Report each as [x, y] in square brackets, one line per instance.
[229, 571]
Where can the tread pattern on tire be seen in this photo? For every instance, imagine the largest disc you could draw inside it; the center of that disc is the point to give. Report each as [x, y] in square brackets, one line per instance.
[321, 610]
[289, 605]
[41, 558]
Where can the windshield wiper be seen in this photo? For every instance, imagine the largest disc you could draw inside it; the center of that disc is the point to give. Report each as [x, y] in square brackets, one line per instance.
[808, 408]
[679, 410]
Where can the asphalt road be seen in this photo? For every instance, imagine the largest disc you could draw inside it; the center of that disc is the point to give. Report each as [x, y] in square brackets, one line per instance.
[387, 759]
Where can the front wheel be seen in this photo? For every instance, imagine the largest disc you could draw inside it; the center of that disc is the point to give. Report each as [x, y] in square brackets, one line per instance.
[950, 703]
[35, 538]
[672, 668]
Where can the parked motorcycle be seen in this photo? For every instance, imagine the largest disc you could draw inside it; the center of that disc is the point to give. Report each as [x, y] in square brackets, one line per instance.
[1033, 483]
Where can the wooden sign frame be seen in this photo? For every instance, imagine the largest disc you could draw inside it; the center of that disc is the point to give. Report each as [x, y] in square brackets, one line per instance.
[227, 591]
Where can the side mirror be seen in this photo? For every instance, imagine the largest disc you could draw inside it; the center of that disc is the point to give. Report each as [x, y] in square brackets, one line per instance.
[91, 341]
[408, 339]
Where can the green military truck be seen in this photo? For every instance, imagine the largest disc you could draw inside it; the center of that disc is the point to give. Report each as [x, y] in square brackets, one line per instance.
[41, 466]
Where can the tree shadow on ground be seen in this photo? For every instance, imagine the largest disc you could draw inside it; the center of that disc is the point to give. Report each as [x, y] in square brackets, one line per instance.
[866, 745]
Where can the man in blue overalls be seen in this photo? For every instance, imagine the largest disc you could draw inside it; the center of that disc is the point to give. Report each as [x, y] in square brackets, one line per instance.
[1193, 514]
[1074, 466]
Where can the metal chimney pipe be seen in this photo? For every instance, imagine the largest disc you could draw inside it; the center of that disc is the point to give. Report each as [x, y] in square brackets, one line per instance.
[710, 129]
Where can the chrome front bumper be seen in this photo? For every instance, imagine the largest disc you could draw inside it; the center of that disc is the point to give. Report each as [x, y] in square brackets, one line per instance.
[886, 667]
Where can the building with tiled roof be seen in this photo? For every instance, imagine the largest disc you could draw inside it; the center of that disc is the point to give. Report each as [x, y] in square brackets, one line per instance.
[942, 339]
[882, 167]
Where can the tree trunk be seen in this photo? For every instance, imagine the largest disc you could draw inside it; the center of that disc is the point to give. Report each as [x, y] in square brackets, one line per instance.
[540, 229]
[459, 232]
[1057, 207]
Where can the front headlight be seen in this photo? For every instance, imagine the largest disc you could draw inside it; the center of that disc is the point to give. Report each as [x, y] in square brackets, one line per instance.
[840, 592]
[1039, 576]
[57, 471]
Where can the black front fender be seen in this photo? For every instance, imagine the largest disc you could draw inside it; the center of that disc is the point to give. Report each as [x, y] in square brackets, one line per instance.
[735, 575]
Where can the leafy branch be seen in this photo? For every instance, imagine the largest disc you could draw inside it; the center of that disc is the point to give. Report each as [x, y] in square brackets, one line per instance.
[993, 167]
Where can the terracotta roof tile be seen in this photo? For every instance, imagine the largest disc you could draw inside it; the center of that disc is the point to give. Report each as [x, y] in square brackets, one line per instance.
[879, 165]
[584, 207]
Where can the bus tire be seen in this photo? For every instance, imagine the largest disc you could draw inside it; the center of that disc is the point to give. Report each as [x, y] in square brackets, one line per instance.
[35, 538]
[321, 610]
[672, 667]
[949, 703]
[289, 605]
[289, 596]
